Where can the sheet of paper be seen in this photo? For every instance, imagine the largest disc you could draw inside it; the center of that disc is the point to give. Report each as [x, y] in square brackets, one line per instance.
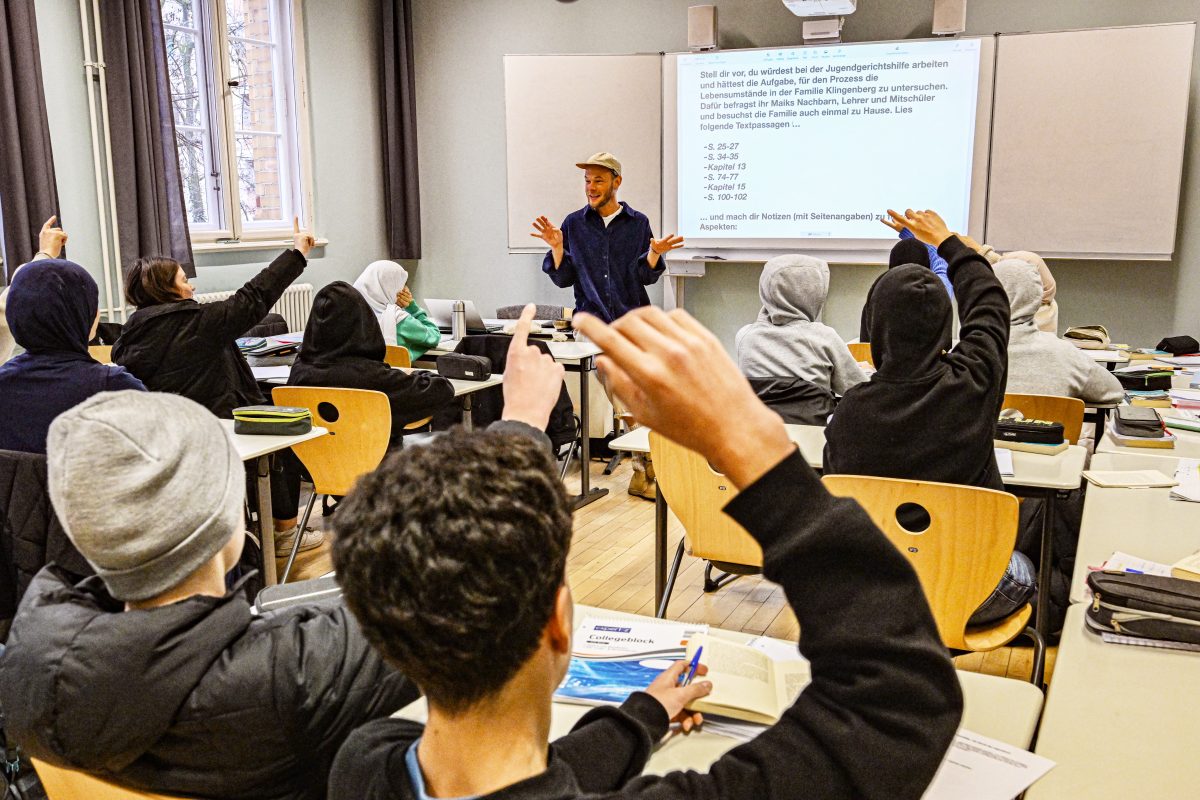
[1188, 475]
[271, 373]
[985, 769]
[1129, 479]
[1139, 566]
[1004, 460]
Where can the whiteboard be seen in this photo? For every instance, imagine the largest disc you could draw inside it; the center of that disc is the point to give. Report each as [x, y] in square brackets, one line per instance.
[559, 109]
[1087, 141]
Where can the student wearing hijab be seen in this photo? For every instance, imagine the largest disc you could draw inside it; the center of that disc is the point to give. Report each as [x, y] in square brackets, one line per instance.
[787, 340]
[929, 412]
[343, 347]
[384, 285]
[52, 311]
[1040, 362]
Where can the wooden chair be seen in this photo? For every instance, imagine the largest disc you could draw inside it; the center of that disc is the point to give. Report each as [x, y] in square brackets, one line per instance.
[861, 352]
[67, 784]
[1067, 410]
[398, 356]
[959, 558]
[359, 422]
[101, 352]
[697, 493]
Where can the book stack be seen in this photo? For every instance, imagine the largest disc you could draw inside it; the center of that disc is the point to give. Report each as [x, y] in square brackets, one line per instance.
[1154, 398]
[1181, 419]
[1185, 398]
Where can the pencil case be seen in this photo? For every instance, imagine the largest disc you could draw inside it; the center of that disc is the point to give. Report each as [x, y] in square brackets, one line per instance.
[1179, 345]
[1144, 381]
[1138, 421]
[272, 420]
[1149, 606]
[1032, 431]
[464, 367]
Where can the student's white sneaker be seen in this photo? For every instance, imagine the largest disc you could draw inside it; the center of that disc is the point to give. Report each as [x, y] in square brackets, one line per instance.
[283, 540]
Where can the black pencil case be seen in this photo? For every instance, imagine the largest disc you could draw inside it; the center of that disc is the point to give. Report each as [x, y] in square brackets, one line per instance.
[464, 367]
[1144, 381]
[1138, 421]
[272, 420]
[1033, 431]
[1149, 606]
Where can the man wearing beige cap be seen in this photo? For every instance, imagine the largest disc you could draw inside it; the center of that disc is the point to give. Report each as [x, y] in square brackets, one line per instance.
[606, 249]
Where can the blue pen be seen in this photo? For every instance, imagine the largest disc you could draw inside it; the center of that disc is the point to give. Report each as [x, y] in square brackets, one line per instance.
[692, 667]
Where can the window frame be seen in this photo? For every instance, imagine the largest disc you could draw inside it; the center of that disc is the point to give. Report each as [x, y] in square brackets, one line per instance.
[230, 231]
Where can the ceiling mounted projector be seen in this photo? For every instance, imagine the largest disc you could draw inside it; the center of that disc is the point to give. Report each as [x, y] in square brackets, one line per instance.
[821, 8]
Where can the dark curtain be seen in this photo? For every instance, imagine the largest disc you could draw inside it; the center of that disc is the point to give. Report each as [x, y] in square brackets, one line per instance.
[151, 214]
[28, 196]
[402, 202]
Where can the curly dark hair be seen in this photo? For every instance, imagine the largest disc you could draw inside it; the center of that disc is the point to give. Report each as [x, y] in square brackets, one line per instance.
[450, 556]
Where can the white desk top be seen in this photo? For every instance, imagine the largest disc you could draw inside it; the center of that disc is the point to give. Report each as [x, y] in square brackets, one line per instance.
[1059, 471]
[1142, 522]
[460, 387]
[562, 351]
[1106, 356]
[1187, 445]
[251, 447]
[1000, 708]
[1119, 721]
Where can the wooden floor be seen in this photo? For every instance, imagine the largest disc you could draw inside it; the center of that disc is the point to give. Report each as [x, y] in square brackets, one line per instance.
[612, 566]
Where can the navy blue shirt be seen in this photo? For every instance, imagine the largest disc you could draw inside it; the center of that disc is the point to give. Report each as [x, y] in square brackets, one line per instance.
[606, 265]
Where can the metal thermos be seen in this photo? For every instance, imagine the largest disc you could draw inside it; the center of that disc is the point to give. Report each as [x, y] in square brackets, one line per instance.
[458, 320]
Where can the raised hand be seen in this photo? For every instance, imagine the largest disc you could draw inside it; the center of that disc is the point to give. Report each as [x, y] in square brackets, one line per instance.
[303, 241]
[51, 238]
[925, 225]
[675, 377]
[675, 698]
[666, 244]
[532, 379]
[404, 297]
[544, 229]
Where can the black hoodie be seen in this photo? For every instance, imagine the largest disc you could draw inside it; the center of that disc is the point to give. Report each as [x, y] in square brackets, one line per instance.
[197, 698]
[905, 251]
[343, 347]
[928, 414]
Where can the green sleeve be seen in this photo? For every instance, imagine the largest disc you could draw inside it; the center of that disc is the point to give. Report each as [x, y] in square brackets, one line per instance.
[417, 330]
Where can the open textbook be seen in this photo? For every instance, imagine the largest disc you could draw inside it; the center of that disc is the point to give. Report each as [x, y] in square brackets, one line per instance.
[613, 657]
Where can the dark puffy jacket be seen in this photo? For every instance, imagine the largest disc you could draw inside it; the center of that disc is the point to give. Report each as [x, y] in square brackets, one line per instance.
[798, 401]
[190, 348]
[343, 347]
[197, 698]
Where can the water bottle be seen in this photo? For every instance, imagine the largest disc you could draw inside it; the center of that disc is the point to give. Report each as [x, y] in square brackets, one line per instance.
[458, 320]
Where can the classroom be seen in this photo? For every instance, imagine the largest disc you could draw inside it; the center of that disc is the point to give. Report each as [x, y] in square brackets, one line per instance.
[599, 398]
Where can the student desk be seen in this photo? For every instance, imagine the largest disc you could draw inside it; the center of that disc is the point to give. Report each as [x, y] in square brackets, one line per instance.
[1120, 721]
[999, 708]
[1187, 445]
[1109, 358]
[1142, 522]
[577, 357]
[258, 449]
[1035, 474]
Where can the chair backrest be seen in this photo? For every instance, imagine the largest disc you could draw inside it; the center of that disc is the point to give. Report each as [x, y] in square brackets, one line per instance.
[101, 352]
[697, 493]
[960, 557]
[861, 352]
[67, 784]
[543, 312]
[1067, 410]
[359, 423]
[397, 356]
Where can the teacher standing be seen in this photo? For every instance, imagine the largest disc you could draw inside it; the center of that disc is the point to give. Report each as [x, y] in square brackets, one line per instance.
[606, 249]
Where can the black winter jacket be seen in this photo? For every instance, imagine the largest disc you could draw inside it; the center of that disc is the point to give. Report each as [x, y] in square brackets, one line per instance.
[197, 698]
[190, 348]
[929, 412]
[875, 721]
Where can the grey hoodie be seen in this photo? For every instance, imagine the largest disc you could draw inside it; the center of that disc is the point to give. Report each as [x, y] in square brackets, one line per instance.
[786, 340]
[1040, 362]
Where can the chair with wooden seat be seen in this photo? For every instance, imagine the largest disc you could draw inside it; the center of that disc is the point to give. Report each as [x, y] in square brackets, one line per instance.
[959, 558]
[101, 352]
[861, 351]
[398, 356]
[67, 784]
[697, 493]
[1067, 410]
[359, 422]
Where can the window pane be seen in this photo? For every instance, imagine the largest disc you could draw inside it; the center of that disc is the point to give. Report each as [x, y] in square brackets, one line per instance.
[183, 69]
[194, 171]
[253, 67]
[259, 178]
[249, 18]
[179, 12]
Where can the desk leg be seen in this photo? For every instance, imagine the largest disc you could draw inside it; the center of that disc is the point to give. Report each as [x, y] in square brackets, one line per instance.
[586, 493]
[266, 522]
[660, 548]
[1046, 565]
[467, 423]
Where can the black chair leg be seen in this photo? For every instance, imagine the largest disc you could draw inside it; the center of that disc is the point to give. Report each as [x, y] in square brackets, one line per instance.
[613, 463]
[287, 570]
[1039, 657]
[671, 576]
[711, 584]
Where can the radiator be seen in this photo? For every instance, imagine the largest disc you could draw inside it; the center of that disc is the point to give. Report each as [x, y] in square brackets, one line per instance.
[293, 306]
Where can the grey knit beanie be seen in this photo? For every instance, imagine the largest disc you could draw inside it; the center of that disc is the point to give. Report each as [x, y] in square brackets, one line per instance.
[147, 486]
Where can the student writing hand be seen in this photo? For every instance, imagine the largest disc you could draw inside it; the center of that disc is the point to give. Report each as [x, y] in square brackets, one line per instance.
[675, 698]
[675, 377]
[544, 229]
[532, 379]
[925, 225]
[404, 297]
[303, 241]
[51, 238]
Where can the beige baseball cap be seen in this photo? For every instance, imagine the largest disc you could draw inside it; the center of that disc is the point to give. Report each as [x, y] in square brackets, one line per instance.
[602, 160]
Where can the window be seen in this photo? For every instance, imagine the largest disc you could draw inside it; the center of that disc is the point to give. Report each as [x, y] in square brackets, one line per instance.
[238, 129]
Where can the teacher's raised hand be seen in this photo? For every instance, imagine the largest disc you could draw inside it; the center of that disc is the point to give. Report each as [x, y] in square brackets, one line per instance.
[660, 247]
[544, 229]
